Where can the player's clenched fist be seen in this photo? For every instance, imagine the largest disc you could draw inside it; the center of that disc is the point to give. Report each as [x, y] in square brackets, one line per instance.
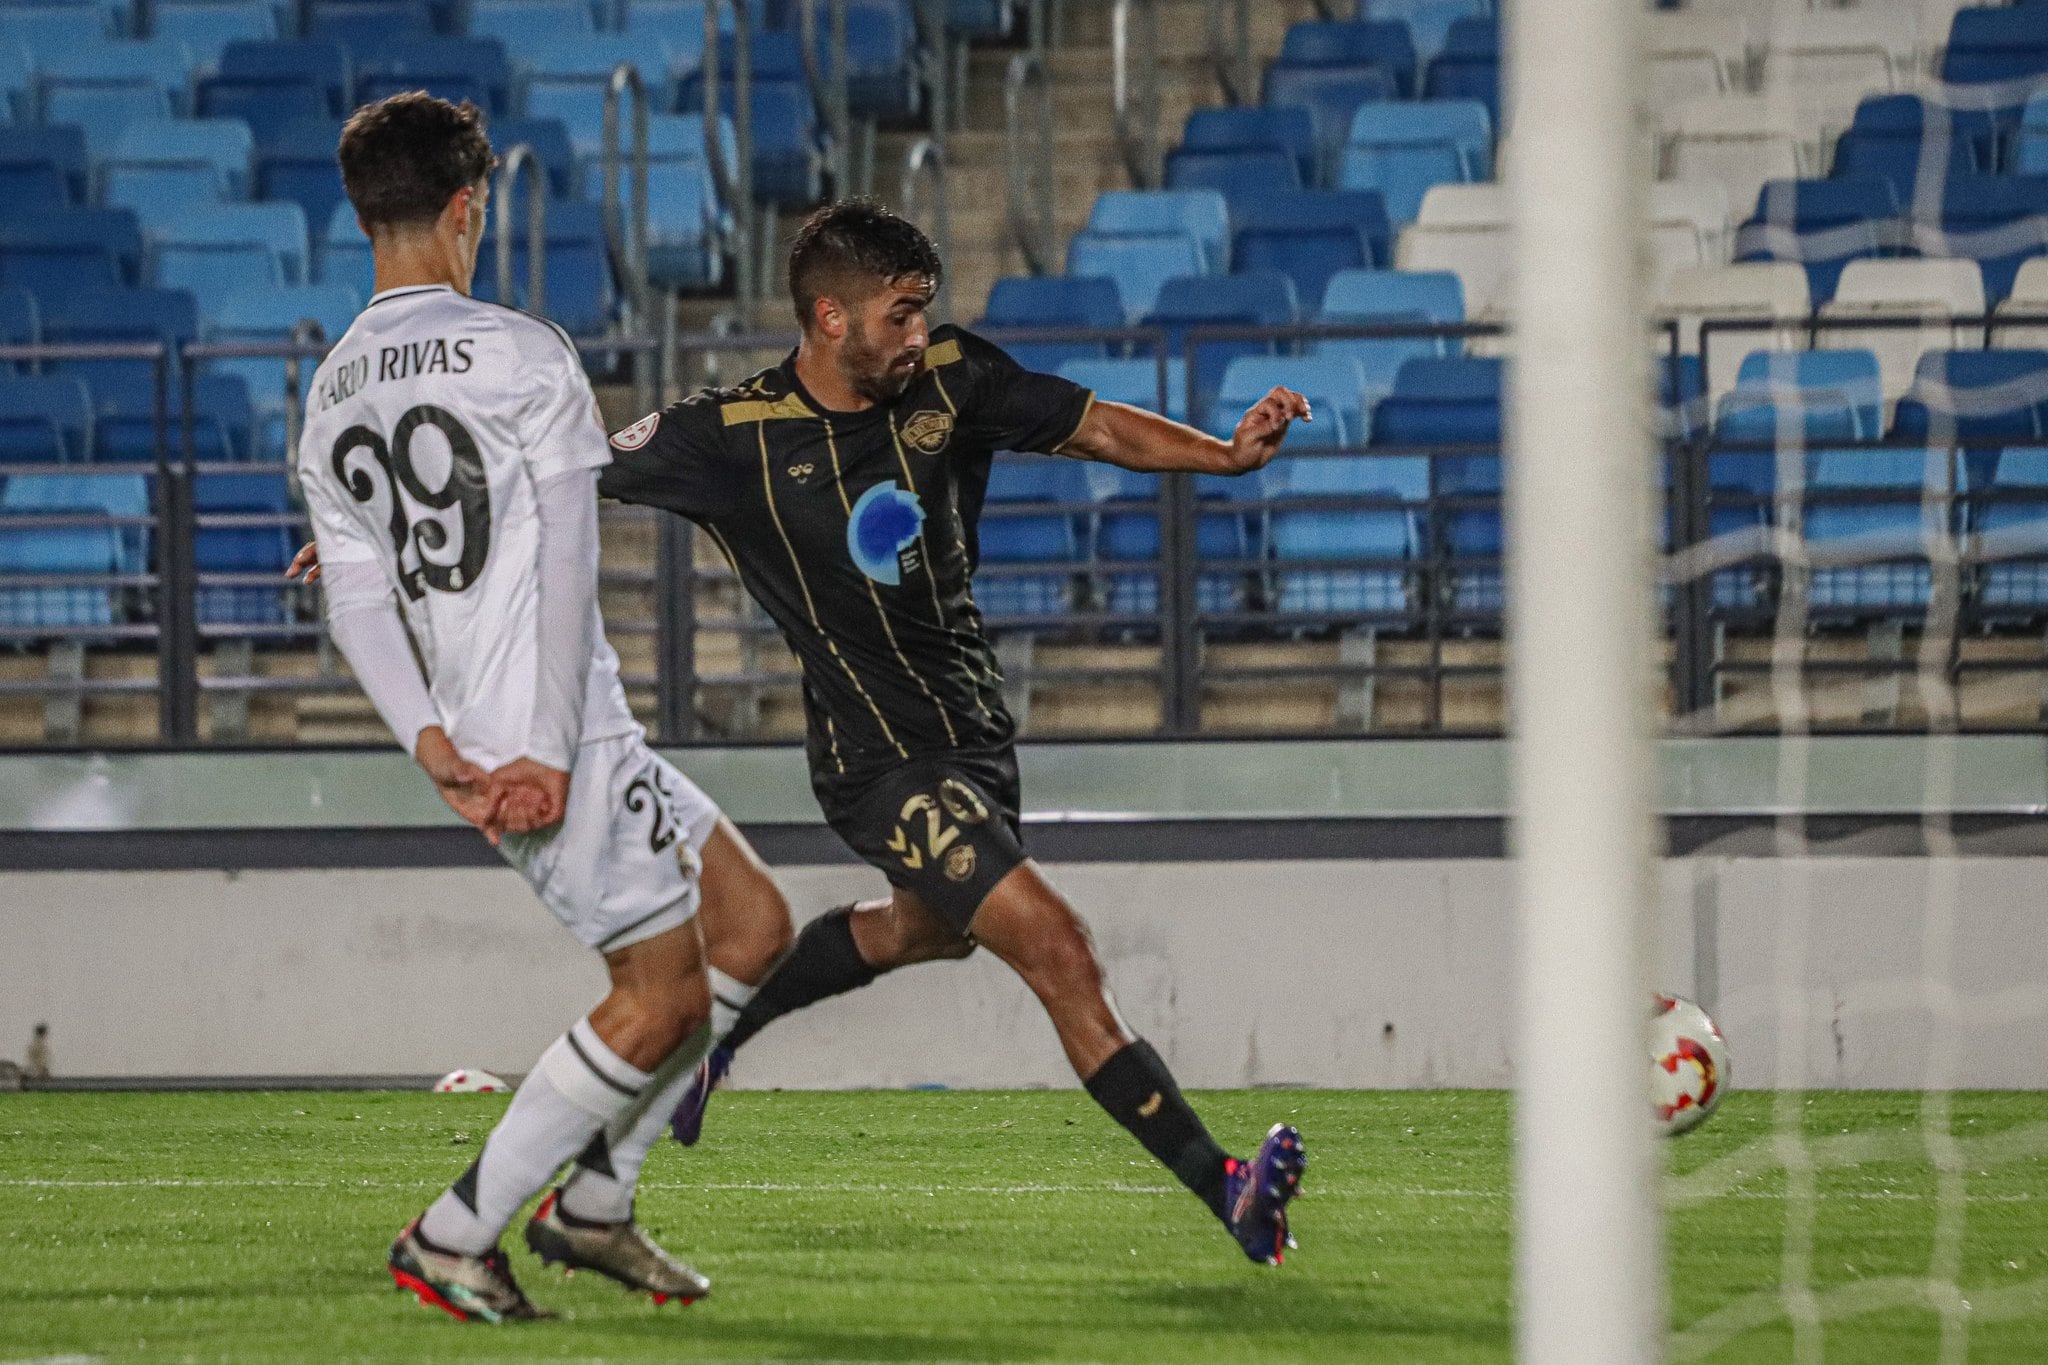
[535, 796]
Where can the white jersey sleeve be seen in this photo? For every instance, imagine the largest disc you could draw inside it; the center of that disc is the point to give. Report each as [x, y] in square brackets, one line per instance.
[429, 428]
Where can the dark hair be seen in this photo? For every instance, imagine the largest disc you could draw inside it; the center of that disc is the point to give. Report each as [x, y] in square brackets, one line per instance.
[853, 243]
[403, 157]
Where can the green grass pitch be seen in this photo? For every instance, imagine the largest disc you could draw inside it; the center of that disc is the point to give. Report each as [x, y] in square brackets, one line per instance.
[1000, 1226]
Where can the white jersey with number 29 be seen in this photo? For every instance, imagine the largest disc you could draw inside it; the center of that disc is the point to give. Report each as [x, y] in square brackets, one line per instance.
[427, 429]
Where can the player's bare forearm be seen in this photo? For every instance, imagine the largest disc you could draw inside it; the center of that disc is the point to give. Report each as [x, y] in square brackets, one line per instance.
[1132, 438]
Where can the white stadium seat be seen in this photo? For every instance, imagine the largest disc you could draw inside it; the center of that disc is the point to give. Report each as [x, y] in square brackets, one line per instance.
[1933, 289]
[1768, 291]
[1739, 141]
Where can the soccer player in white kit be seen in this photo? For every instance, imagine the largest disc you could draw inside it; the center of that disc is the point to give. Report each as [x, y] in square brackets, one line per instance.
[449, 462]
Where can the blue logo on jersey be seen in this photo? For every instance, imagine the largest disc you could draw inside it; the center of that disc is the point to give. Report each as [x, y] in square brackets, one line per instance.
[885, 523]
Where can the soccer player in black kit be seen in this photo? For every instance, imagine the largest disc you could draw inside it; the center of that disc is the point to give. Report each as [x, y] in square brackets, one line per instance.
[845, 485]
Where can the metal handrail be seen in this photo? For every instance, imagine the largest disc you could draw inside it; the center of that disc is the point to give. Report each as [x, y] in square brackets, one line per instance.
[829, 87]
[628, 240]
[926, 160]
[934, 61]
[1031, 223]
[1230, 53]
[524, 158]
[735, 183]
[1137, 111]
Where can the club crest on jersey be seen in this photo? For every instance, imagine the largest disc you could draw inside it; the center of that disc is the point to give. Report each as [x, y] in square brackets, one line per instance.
[884, 525]
[927, 432]
[637, 435]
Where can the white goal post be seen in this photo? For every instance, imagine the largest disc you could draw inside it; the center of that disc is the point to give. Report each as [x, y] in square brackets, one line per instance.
[1589, 1282]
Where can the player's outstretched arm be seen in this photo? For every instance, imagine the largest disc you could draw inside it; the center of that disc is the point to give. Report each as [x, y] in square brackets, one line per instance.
[1132, 438]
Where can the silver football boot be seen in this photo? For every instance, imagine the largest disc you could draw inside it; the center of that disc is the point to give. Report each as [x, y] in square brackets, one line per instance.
[472, 1288]
[621, 1251]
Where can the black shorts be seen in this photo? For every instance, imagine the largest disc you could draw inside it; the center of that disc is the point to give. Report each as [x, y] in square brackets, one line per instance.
[945, 829]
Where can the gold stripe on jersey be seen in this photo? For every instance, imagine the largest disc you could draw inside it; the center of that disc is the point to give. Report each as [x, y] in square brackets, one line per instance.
[938, 610]
[945, 353]
[756, 410]
[839, 482]
[811, 607]
[1090, 407]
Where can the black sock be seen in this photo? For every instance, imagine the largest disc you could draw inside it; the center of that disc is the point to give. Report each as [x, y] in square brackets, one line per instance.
[825, 962]
[1138, 1091]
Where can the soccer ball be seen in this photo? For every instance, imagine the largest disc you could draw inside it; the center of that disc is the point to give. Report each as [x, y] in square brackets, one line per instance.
[1688, 1064]
[470, 1082]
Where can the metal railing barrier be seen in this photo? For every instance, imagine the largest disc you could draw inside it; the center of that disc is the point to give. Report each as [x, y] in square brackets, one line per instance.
[628, 239]
[523, 158]
[1030, 210]
[1230, 50]
[735, 182]
[1134, 48]
[828, 82]
[925, 162]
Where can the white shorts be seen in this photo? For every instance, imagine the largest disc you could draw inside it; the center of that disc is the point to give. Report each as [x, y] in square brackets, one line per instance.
[622, 866]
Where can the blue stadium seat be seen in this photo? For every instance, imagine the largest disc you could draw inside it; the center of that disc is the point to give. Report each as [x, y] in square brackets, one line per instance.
[345, 253]
[20, 325]
[456, 69]
[1822, 225]
[295, 164]
[1202, 214]
[106, 89]
[2028, 152]
[1127, 533]
[1008, 536]
[1334, 386]
[678, 25]
[1976, 395]
[1053, 301]
[124, 419]
[880, 80]
[787, 167]
[2008, 502]
[980, 18]
[1252, 300]
[363, 26]
[1135, 382]
[1986, 45]
[1386, 44]
[549, 137]
[85, 316]
[1241, 177]
[47, 30]
[52, 252]
[1332, 96]
[1886, 512]
[1139, 263]
[1889, 134]
[1453, 401]
[162, 168]
[206, 27]
[1390, 298]
[1311, 235]
[17, 80]
[1402, 149]
[221, 546]
[1391, 535]
[42, 167]
[1999, 221]
[687, 224]
[1468, 67]
[579, 277]
[568, 80]
[1429, 21]
[271, 84]
[1836, 393]
[270, 315]
[79, 549]
[528, 25]
[216, 252]
[1287, 129]
[44, 419]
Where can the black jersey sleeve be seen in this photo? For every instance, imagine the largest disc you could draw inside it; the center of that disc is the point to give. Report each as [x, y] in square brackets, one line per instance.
[1012, 408]
[673, 459]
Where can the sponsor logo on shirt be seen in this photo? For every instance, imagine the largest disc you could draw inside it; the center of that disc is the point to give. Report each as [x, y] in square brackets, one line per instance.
[883, 526]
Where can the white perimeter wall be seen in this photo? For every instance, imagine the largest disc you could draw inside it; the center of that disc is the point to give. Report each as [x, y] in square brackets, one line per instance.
[1320, 973]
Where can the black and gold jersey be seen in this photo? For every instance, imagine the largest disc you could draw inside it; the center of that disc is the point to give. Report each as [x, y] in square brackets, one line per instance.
[857, 532]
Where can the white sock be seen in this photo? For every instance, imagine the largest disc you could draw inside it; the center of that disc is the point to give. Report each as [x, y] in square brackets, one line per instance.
[728, 997]
[599, 1195]
[578, 1086]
